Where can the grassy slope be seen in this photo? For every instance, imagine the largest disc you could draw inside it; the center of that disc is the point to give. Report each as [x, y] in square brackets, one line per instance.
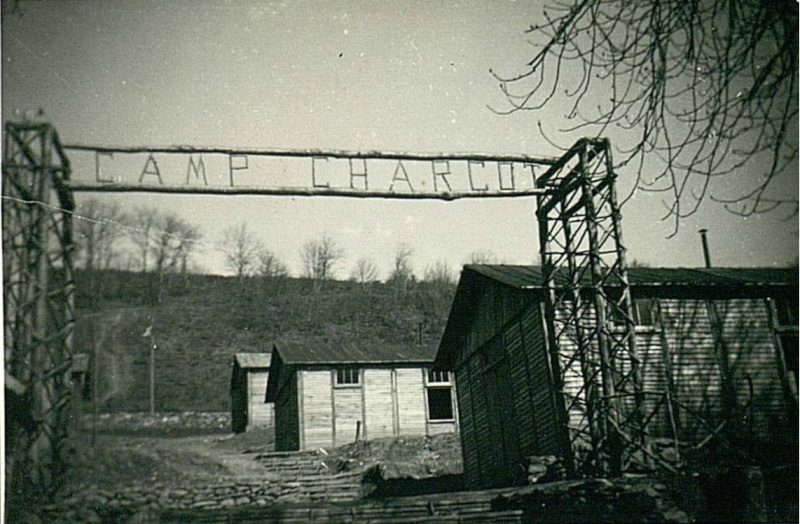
[205, 320]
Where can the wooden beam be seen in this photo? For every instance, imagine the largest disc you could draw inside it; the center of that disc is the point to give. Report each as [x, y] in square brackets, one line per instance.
[329, 153]
[293, 191]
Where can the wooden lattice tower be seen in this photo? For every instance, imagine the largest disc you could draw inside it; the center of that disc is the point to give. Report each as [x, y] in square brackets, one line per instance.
[39, 313]
[590, 326]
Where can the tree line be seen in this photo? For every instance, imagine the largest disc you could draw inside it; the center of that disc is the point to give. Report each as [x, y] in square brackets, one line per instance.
[162, 246]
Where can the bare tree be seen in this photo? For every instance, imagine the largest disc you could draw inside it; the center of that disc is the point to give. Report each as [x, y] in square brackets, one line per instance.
[172, 242]
[241, 250]
[703, 94]
[439, 274]
[142, 222]
[270, 266]
[320, 258]
[97, 230]
[364, 272]
[482, 257]
[402, 273]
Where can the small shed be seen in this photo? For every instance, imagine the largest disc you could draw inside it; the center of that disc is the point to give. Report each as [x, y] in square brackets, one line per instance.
[248, 386]
[698, 332]
[332, 393]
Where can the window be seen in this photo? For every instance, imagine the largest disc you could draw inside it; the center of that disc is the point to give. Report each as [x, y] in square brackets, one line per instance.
[643, 313]
[440, 403]
[440, 396]
[438, 377]
[348, 377]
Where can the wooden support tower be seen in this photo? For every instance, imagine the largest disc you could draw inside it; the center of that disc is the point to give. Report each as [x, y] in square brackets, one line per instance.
[591, 331]
[39, 314]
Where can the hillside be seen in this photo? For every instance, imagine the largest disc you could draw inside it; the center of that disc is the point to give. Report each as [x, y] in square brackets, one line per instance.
[203, 320]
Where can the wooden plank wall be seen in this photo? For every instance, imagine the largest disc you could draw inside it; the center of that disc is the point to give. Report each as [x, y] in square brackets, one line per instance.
[348, 412]
[693, 361]
[753, 355]
[387, 402]
[316, 413]
[499, 352]
[505, 397]
[380, 403]
[260, 414]
[574, 390]
[680, 355]
[411, 409]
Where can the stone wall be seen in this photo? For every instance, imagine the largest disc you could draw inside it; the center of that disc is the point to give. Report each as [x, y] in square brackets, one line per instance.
[95, 504]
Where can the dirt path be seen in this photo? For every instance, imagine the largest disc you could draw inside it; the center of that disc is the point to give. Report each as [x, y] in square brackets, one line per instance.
[119, 460]
[213, 453]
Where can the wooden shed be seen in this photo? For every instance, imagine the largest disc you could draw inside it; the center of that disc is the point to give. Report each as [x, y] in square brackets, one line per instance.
[694, 328]
[248, 386]
[330, 394]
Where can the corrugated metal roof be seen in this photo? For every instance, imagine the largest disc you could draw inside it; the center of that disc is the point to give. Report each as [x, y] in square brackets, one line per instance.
[349, 351]
[253, 360]
[530, 277]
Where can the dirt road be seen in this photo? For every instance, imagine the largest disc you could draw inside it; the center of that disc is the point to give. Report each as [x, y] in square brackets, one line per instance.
[116, 460]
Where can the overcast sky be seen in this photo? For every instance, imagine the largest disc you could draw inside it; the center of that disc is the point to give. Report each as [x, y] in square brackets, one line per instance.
[351, 75]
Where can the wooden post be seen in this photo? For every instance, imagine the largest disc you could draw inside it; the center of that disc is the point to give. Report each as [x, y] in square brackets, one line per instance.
[152, 376]
[95, 393]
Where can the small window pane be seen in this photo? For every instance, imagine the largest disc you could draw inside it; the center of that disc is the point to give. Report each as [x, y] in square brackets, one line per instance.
[644, 312]
[347, 376]
[440, 403]
[438, 376]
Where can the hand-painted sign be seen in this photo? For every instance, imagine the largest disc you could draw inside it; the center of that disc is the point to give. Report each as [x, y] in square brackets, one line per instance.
[338, 173]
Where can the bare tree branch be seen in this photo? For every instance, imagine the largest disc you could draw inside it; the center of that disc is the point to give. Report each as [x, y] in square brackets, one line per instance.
[703, 94]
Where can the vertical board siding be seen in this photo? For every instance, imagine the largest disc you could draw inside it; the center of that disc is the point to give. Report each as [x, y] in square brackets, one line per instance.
[260, 413]
[654, 383]
[508, 408]
[752, 355]
[541, 388]
[348, 409]
[505, 402]
[519, 381]
[483, 431]
[695, 366]
[572, 372]
[328, 416]
[317, 412]
[469, 443]
[378, 403]
[504, 434]
[411, 408]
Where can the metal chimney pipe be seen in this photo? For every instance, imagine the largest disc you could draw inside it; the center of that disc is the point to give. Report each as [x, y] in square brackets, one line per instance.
[704, 239]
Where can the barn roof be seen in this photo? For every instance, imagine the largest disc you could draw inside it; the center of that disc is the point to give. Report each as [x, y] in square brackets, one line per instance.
[253, 360]
[338, 351]
[644, 281]
[343, 351]
[531, 277]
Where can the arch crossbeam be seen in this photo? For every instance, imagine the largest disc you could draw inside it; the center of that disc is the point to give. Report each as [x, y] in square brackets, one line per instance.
[320, 172]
